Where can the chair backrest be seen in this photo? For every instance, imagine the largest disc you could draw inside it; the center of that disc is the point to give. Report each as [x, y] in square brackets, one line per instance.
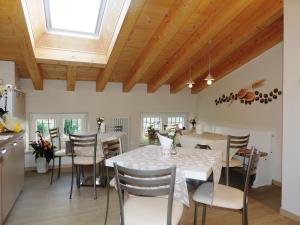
[112, 148]
[147, 183]
[234, 143]
[86, 143]
[251, 170]
[55, 135]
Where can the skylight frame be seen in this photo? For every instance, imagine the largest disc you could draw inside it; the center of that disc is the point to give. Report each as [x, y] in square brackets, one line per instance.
[65, 32]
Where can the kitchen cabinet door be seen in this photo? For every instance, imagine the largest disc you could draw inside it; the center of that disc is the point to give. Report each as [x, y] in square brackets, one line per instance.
[7, 192]
[19, 148]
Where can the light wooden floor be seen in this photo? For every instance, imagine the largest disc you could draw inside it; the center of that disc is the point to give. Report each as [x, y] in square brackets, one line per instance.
[42, 204]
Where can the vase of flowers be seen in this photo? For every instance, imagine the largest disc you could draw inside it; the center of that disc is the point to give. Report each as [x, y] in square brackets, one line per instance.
[172, 132]
[43, 152]
[100, 123]
[151, 135]
[192, 120]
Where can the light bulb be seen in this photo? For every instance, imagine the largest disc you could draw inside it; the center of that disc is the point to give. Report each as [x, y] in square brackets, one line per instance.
[190, 85]
[209, 82]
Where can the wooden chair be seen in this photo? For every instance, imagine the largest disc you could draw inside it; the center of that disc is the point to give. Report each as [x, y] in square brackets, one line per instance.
[84, 152]
[224, 196]
[147, 205]
[234, 143]
[57, 151]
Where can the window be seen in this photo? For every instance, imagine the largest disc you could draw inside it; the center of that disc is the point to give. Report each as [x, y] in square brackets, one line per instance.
[68, 123]
[159, 121]
[43, 126]
[79, 18]
[155, 122]
[72, 126]
[176, 120]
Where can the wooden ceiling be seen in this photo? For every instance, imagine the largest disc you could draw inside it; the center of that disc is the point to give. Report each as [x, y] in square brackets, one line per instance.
[160, 42]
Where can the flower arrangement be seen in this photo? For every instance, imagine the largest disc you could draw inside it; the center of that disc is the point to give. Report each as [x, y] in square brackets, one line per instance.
[151, 133]
[172, 132]
[99, 120]
[192, 120]
[42, 148]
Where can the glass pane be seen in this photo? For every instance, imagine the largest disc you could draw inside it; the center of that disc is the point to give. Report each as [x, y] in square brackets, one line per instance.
[43, 126]
[79, 15]
[72, 126]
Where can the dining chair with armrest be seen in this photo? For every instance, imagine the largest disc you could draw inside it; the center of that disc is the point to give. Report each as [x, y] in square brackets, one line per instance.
[224, 196]
[151, 196]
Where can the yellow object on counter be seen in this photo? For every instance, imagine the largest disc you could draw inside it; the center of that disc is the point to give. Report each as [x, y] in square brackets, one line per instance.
[10, 123]
[2, 128]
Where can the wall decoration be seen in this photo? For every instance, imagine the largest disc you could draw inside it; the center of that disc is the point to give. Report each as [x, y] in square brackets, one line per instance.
[250, 94]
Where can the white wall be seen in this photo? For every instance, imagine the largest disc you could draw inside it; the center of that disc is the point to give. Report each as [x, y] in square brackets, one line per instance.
[8, 73]
[256, 116]
[291, 109]
[112, 102]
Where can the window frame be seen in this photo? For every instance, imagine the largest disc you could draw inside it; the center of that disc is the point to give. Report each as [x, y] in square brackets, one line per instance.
[51, 29]
[59, 121]
[163, 120]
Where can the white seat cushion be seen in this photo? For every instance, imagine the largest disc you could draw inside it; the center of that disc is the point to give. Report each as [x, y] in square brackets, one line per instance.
[233, 163]
[150, 211]
[86, 160]
[224, 196]
[61, 152]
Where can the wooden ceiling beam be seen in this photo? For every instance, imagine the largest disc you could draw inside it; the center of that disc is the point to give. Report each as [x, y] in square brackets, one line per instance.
[133, 14]
[18, 22]
[71, 78]
[198, 40]
[264, 14]
[263, 41]
[170, 25]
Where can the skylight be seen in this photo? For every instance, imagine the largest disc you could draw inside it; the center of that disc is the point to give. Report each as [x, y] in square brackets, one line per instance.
[74, 17]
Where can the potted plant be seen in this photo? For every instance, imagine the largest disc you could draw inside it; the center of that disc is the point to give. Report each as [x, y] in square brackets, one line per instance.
[43, 152]
[151, 134]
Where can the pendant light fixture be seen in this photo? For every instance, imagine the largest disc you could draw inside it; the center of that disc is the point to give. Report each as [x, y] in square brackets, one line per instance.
[190, 83]
[209, 78]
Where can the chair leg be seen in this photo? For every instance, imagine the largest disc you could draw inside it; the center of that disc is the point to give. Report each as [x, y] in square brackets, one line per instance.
[196, 214]
[227, 175]
[72, 182]
[204, 214]
[107, 196]
[245, 215]
[94, 177]
[77, 169]
[59, 167]
[52, 171]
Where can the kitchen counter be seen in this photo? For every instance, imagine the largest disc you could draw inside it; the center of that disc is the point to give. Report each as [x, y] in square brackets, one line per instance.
[8, 137]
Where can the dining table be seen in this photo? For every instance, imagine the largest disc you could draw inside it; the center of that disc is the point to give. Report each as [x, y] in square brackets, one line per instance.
[190, 163]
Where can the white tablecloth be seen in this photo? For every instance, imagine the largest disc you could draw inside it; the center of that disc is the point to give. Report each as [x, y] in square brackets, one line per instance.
[190, 163]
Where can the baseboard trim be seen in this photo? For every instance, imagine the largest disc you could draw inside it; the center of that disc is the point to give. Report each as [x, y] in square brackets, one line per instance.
[276, 183]
[290, 215]
[64, 168]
